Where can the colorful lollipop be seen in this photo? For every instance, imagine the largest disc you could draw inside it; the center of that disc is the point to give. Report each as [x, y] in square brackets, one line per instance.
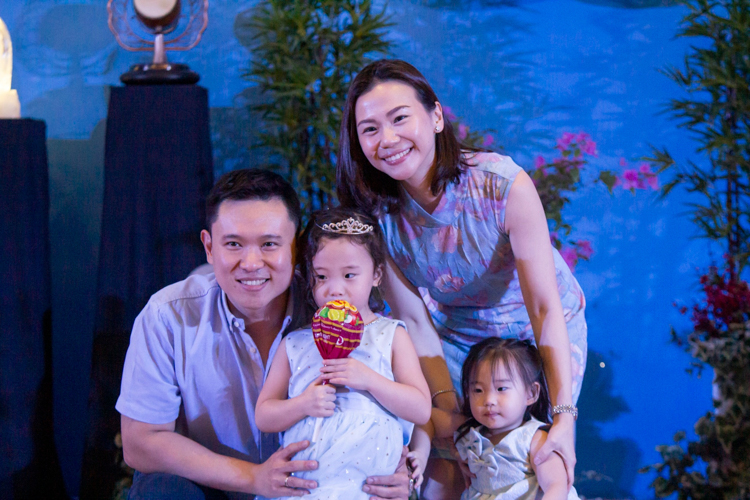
[337, 329]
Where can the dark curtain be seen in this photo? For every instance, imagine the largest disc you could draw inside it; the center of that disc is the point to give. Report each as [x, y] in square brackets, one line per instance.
[157, 173]
[29, 467]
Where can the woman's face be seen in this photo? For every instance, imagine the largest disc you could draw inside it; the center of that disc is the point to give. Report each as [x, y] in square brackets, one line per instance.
[396, 132]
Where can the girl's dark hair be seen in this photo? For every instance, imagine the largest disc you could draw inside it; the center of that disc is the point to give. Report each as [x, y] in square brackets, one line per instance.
[309, 243]
[358, 183]
[519, 358]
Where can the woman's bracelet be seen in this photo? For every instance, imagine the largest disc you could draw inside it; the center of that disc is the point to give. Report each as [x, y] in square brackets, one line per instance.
[565, 409]
[441, 391]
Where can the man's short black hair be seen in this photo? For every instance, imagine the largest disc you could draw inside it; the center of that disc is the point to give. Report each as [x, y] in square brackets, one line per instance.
[252, 184]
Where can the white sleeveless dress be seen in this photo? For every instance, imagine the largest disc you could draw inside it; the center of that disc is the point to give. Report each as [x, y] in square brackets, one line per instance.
[362, 438]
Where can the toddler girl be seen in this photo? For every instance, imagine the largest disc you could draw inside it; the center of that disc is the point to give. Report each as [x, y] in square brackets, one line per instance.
[504, 422]
[343, 258]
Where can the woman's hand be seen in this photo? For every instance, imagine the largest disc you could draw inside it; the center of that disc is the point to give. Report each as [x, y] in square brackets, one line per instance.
[348, 372]
[561, 440]
[318, 399]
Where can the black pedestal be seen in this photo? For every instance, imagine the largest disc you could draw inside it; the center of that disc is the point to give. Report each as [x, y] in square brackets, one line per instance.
[29, 466]
[157, 173]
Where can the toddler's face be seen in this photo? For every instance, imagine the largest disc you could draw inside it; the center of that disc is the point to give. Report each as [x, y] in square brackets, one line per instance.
[344, 271]
[499, 399]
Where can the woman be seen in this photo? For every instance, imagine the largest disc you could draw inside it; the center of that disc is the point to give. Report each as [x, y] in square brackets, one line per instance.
[466, 231]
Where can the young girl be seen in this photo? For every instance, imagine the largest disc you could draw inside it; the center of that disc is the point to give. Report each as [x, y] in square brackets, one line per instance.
[343, 257]
[503, 424]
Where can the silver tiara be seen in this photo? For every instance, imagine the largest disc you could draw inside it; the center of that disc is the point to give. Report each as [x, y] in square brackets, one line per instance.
[348, 226]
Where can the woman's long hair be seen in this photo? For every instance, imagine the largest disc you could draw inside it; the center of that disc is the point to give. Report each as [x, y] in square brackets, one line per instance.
[358, 183]
[521, 359]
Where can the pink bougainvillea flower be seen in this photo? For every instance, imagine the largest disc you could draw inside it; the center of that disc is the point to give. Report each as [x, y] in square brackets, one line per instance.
[570, 257]
[564, 141]
[653, 182]
[539, 162]
[583, 248]
[630, 179]
[588, 147]
[487, 141]
[644, 168]
[448, 112]
[463, 131]
[623, 162]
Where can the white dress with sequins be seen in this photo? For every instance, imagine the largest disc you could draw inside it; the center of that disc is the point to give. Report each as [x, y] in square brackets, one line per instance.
[362, 438]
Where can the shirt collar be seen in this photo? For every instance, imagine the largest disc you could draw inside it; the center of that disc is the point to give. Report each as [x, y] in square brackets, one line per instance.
[232, 320]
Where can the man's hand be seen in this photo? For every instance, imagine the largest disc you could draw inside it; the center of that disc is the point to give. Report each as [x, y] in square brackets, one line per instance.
[395, 486]
[273, 477]
[561, 440]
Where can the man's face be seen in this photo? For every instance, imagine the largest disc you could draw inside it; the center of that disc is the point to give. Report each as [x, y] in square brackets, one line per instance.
[251, 248]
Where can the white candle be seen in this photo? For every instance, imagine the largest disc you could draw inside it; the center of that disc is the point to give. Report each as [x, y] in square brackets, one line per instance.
[10, 107]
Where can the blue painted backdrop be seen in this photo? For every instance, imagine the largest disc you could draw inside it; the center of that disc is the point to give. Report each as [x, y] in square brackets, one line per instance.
[530, 70]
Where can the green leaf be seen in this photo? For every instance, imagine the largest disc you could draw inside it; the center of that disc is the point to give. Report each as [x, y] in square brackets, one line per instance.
[304, 54]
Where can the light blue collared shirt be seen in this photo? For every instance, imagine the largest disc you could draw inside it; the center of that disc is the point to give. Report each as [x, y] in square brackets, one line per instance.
[190, 360]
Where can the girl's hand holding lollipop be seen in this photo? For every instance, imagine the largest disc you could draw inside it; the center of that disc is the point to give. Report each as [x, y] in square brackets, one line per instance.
[320, 399]
[348, 372]
[337, 329]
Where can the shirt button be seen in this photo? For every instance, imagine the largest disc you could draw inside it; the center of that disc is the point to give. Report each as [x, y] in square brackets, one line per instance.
[253, 350]
[236, 323]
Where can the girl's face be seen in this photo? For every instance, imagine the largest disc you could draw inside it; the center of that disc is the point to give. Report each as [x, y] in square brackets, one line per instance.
[397, 133]
[345, 271]
[499, 399]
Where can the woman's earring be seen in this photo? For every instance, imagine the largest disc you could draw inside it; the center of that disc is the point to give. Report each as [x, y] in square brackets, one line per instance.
[437, 129]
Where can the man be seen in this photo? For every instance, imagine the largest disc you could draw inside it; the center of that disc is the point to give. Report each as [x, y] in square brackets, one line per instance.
[201, 348]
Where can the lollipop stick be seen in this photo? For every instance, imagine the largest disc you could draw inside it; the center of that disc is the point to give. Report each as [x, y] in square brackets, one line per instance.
[316, 432]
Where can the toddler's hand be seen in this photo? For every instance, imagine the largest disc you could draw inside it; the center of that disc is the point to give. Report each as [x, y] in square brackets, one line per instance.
[348, 372]
[319, 399]
[465, 472]
[417, 463]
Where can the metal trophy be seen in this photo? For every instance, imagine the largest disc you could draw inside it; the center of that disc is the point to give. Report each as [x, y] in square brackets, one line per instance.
[10, 107]
[158, 25]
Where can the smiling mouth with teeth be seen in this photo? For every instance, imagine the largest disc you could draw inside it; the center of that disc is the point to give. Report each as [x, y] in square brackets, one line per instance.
[397, 156]
[253, 282]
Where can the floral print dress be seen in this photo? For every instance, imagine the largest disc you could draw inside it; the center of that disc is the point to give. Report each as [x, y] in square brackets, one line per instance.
[461, 260]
